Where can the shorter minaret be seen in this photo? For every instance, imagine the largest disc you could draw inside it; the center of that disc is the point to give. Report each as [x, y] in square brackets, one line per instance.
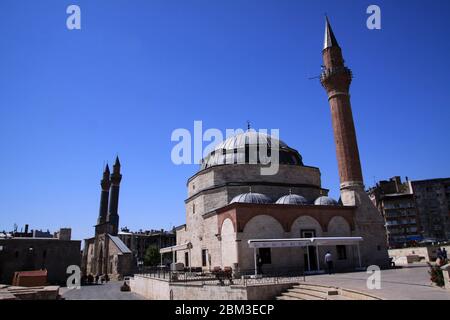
[105, 184]
[113, 215]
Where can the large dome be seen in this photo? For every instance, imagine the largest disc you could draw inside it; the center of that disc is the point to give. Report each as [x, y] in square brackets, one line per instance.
[251, 197]
[292, 199]
[236, 150]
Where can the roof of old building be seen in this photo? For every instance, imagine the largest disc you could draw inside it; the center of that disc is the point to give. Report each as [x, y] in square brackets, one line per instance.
[119, 244]
[251, 197]
[325, 201]
[32, 273]
[233, 150]
[292, 199]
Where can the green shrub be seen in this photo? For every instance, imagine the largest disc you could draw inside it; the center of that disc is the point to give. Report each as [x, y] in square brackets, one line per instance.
[436, 275]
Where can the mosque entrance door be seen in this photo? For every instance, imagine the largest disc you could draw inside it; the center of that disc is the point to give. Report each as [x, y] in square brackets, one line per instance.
[309, 256]
[312, 266]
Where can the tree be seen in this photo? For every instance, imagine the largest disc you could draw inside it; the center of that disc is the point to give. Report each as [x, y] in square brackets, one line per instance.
[151, 256]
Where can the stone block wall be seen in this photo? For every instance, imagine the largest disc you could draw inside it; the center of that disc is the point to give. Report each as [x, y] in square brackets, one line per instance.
[33, 254]
[156, 289]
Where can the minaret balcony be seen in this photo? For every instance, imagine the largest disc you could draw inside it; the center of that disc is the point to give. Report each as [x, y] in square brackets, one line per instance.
[335, 71]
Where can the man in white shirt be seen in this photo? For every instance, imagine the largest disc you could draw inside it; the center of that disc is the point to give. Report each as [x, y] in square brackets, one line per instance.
[329, 262]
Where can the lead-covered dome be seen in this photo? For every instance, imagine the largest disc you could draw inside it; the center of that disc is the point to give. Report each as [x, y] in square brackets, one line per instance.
[236, 150]
[251, 197]
[325, 201]
[292, 199]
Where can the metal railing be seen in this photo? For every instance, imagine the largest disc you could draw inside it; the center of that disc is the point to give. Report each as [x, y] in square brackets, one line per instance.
[246, 277]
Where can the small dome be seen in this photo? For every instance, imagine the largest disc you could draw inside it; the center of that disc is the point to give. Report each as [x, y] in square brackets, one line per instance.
[325, 201]
[292, 199]
[251, 197]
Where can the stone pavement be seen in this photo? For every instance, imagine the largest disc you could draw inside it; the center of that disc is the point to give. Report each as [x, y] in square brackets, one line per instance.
[408, 283]
[108, 291]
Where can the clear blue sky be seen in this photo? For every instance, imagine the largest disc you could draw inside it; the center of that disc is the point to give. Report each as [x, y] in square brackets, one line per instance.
[70, 100]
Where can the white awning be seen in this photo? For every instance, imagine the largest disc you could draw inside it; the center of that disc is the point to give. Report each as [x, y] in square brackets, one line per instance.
[179, 247]
[335, 241]
[302, 242]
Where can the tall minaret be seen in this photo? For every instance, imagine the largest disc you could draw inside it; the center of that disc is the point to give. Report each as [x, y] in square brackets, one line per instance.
[105, 184]
[336, 79]
[113, 215]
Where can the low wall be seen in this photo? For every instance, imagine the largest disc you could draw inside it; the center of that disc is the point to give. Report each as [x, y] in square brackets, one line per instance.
[207, 292]
[157, 289]
[429, 253]
[153, 289]
[446, 274]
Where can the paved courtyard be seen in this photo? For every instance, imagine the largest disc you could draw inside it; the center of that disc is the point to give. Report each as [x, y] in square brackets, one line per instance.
[108, 291]
[408, 283]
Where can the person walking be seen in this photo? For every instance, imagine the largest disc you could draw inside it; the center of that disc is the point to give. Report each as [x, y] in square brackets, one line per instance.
[259, 264]
[439, 254]
[329, 262]
[444, 254]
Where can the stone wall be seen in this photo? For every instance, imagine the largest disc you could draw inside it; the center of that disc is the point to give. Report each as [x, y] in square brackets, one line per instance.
[152, 289]
[218, 175]
[228, 248]
[369, 225]
[428, 253]
[156, 289]
[88, 256]
[228, 244]
[266, 227]
[27, 254]
[120, 264]
[231, 180]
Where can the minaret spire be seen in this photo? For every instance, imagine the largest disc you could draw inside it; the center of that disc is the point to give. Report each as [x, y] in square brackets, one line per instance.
[117, 163]
[330, 39]
[105, 184]
[113, 214]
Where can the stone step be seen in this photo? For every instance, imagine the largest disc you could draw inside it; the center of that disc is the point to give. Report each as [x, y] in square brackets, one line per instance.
[316, 294]
[301, 296]
[328, 290]
[7, 296]
[285, 298]
[338, 297]
[358, 295]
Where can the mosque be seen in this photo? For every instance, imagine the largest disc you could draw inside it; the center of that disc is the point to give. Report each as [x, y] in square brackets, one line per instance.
[105, 253]
[238, 218]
